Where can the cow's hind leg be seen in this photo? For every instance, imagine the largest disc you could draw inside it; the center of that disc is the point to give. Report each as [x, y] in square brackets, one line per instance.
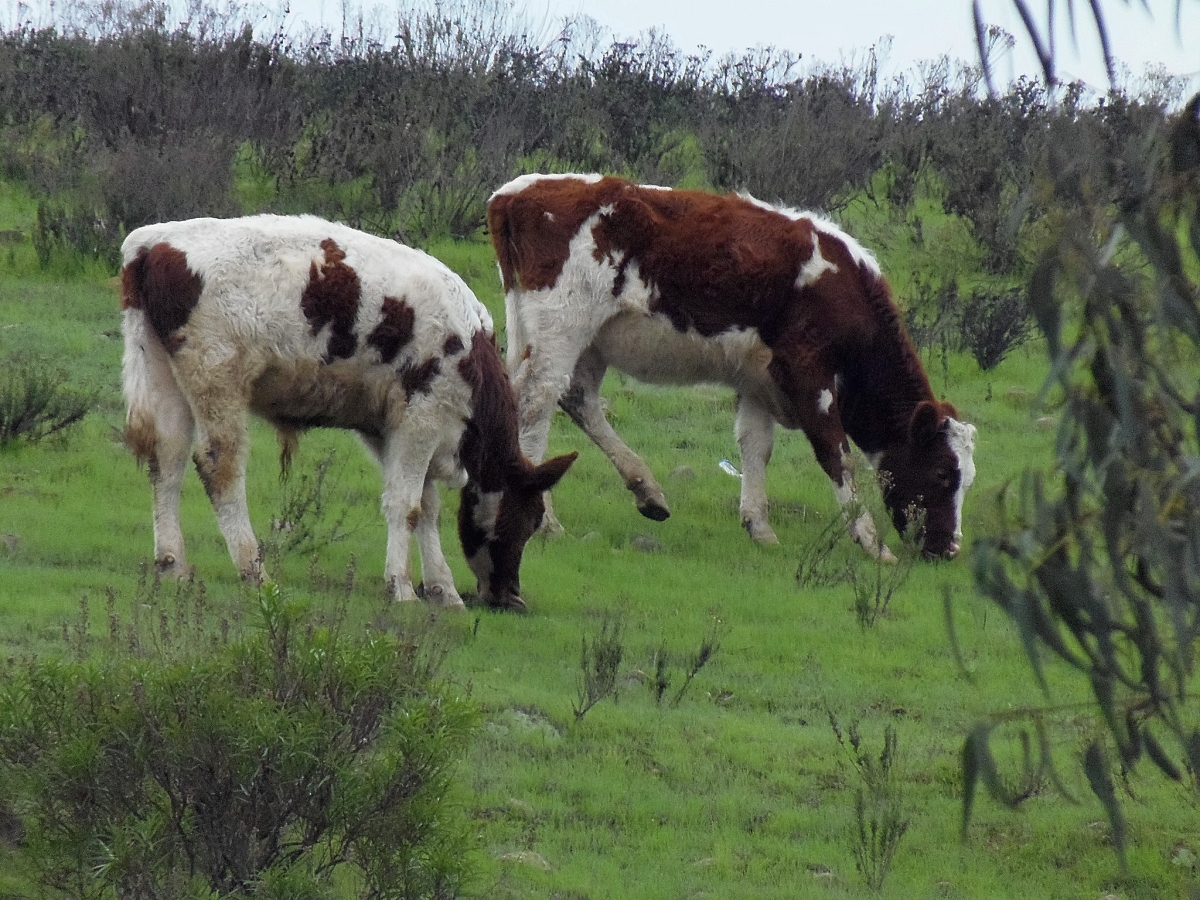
[541, 374]
[222, 415]
[582, 403]
[159, 430]
[755, 430]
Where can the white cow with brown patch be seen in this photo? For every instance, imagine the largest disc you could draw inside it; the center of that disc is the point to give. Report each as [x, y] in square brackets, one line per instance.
[308, 323]
[681, 287]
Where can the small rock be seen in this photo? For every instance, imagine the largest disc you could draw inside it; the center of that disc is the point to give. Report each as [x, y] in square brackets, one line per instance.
[1183, 855]
[1045, 423]
[682, 473]
[520, 806]
[10, 542]
[645, 543]
[529, 858]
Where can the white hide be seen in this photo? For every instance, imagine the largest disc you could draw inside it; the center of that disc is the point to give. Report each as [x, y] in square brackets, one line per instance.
[962, 443]
[521, 182]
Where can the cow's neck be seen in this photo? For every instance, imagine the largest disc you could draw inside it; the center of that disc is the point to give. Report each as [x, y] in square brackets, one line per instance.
[881, 382]
[489, 450]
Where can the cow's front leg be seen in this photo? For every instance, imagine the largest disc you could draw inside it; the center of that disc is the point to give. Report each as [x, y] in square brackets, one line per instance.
[861, 524]
[582, 403]
[755, 430]
[435, 572]
[812, 401]
[405, 465]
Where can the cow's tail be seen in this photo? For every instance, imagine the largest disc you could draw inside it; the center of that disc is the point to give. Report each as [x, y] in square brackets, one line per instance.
[507, 257]
[156, 411]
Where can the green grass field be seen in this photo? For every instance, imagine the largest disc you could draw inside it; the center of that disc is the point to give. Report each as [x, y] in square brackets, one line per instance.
[741, 789]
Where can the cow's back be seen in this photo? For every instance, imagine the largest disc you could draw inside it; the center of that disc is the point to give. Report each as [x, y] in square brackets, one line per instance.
[299, 286]
[707, 263]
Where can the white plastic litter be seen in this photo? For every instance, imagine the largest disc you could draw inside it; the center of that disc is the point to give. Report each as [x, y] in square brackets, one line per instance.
[729, 468]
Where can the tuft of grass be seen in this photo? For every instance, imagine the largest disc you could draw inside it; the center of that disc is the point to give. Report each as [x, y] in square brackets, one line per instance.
[599, 664]
[880, 816]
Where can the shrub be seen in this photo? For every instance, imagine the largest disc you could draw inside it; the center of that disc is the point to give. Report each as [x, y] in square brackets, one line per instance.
[1100, 566]
[994, 324]
[88, 234]
[304, 500]
[279, 764]
[35, 402]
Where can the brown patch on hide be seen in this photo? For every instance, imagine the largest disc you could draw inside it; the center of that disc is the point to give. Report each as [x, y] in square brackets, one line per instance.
[331, 298]
[217, 468]
[453, 346]
[394, 330]
[531, 230]
[417, 379]
[414, 516]
[159, 283]
[141, 438]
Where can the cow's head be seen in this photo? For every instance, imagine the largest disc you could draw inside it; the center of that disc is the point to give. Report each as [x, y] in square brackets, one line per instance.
[925, 479]
[494, 527]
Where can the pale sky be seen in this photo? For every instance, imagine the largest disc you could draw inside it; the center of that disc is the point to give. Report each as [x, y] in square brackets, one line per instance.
[834, 31]
[1142, 32]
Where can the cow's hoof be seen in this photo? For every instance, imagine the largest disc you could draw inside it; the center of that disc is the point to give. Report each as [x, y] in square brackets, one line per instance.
[445, 597]
[760, 532]
[656, 511]
[404, 593]
[170, 567]
[508, 603]
[651, 502]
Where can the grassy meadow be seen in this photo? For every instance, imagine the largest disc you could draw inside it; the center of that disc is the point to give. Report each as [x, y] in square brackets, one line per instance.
[733, 785]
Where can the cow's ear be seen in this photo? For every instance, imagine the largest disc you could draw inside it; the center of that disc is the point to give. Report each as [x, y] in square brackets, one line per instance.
[925, 425]
[547, 475]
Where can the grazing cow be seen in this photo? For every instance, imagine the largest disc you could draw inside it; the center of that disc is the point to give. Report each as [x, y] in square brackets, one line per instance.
[309, 323]
[681, 287]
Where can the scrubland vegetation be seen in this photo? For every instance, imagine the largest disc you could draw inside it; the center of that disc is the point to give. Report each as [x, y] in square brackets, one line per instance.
[682, 713]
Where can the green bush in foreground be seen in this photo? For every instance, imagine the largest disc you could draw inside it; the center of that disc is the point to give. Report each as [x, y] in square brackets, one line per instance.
[1100, 567]
[281, 764]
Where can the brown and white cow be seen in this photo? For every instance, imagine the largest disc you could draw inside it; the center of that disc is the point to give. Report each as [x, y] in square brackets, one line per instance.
[682, 287]
[312, 324]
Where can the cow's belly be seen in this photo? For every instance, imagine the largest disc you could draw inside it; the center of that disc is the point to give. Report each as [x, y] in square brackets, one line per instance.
[650, 349]
[307, 394]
